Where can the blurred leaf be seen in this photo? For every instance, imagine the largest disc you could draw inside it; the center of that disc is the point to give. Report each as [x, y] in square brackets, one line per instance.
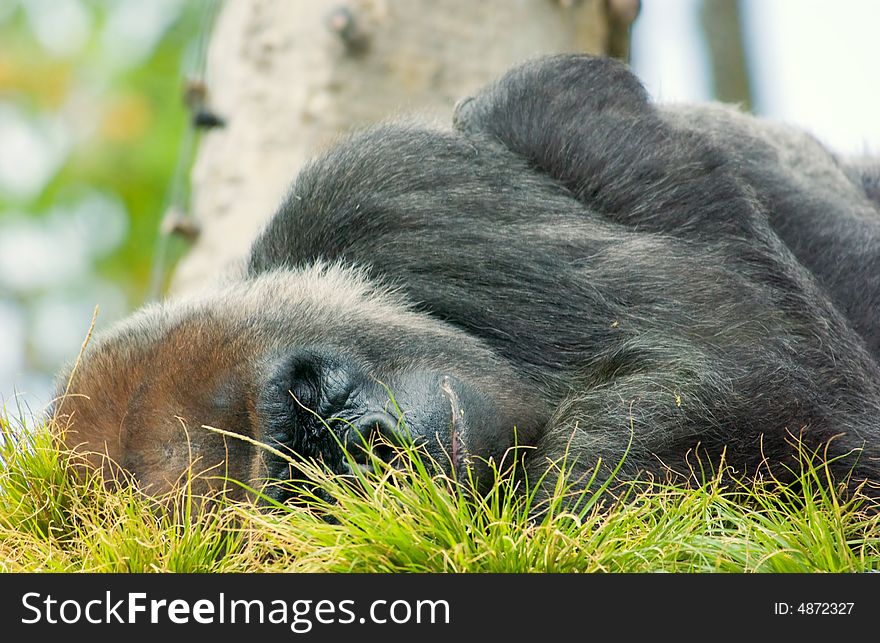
[122, 119]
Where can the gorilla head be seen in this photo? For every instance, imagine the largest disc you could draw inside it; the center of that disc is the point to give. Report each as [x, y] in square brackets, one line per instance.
[570, 269]
[307, 361]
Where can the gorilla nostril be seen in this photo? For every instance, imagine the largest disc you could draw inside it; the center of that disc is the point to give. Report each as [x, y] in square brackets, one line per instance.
[379, 424]
[377, 432]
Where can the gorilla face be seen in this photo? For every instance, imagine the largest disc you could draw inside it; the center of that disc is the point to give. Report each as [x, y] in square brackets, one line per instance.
[329, 363]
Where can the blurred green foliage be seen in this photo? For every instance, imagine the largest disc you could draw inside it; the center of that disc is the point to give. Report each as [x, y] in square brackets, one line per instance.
[126, 119]
[95, 145]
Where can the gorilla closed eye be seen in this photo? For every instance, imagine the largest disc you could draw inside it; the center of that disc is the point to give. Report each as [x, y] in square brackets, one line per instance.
[576, 271]
[316, 382]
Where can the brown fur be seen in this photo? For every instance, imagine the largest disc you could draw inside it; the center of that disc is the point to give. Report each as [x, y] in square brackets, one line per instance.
[143, 405]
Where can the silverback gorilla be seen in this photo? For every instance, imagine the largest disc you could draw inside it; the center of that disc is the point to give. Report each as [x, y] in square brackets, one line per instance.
[569, 269]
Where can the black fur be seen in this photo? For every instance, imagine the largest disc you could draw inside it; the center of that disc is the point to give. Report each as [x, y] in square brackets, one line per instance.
[649, 272]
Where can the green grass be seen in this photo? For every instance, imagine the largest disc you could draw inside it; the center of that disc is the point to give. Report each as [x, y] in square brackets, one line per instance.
[409, 520]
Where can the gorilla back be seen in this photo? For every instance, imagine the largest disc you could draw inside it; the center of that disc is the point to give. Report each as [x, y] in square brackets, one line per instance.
[569, 269]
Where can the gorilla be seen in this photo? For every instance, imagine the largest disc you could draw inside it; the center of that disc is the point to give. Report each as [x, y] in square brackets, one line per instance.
[571, 271]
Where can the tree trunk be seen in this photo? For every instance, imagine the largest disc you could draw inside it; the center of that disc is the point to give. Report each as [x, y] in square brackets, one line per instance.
[724, 40]
[288, 77]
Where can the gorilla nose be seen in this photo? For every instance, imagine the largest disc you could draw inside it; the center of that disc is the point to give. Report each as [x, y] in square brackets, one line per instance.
[378, 432]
